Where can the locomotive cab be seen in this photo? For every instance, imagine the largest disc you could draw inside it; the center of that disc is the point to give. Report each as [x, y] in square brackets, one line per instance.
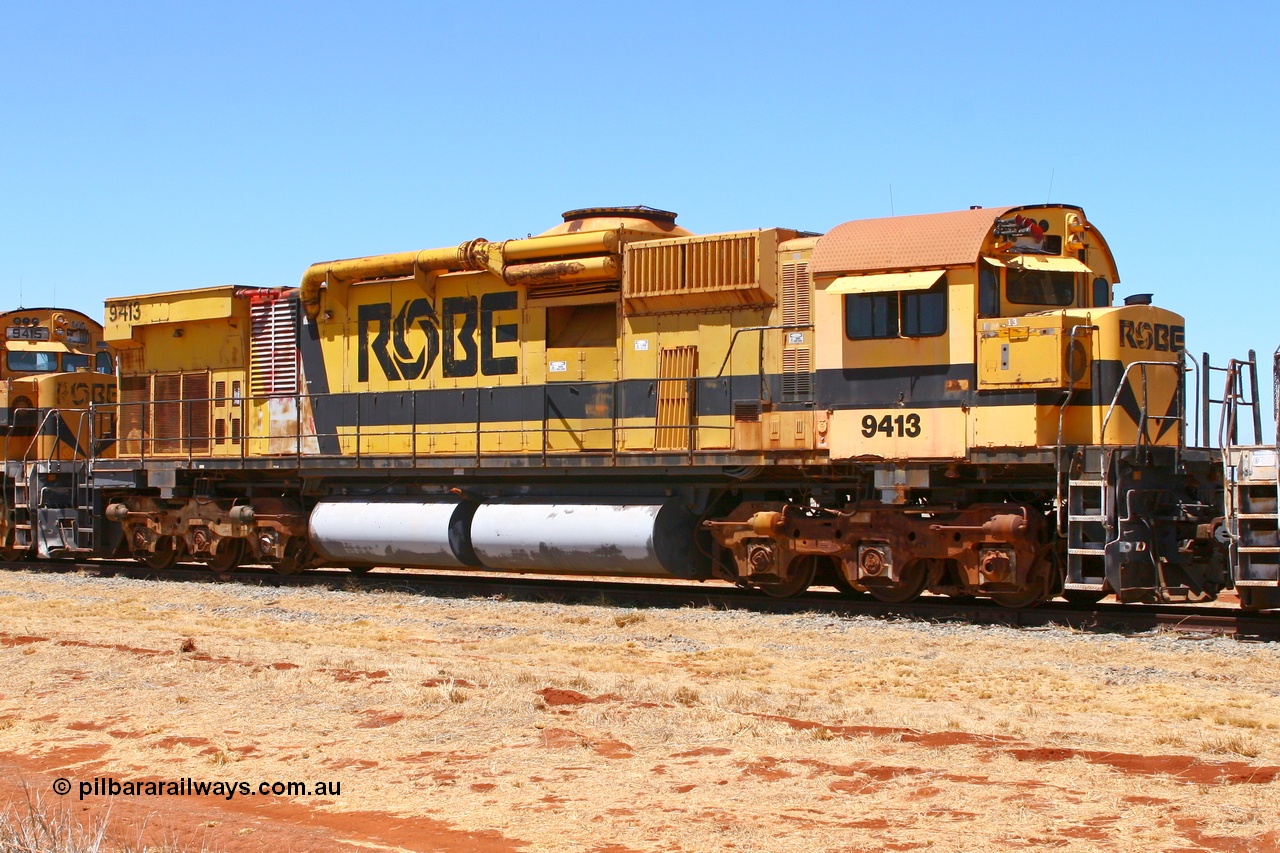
[946, 335]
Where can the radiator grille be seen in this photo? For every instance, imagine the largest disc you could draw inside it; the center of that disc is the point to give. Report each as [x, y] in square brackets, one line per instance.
[665, 269]
[273, 347]
[180, 407]
[701, 273]
[195, 411]
[653, 270]
[676, 369]
[724, 263]
[166, 393]
[135, 412]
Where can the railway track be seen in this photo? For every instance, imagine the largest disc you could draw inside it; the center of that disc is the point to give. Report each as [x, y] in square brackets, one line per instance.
[1195, 620]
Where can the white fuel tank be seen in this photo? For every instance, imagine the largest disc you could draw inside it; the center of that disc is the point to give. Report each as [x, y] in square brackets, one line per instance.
[641, 540]
[420, 534]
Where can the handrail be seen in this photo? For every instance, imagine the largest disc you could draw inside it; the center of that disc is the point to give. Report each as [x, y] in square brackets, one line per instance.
[358, 439]
[1143, 414]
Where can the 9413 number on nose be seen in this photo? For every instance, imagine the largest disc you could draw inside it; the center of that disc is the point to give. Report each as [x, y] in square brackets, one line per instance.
[891, 426]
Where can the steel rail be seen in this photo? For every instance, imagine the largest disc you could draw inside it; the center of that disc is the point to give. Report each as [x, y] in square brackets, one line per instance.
[1108, 618]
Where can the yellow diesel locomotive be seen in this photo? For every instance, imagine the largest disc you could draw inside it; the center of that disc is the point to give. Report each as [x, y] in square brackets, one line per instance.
[57, 393]
[946, 402]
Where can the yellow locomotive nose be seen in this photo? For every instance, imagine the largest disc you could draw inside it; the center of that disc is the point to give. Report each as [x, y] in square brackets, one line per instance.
[1139, 352]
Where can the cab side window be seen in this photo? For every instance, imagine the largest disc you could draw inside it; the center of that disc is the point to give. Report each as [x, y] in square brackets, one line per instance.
[871, 315]
[924, 313]
[897, 314]
[988, 292]
[1101, 293]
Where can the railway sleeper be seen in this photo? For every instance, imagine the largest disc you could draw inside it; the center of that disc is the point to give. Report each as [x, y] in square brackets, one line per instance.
[1001, 551]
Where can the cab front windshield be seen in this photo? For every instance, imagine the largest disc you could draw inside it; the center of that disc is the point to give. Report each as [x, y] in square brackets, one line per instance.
[1040, 287]
[29, 361]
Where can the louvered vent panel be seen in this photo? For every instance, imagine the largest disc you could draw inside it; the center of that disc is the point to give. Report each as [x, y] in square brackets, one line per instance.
[166, 394]
[676, 368]
[220, 431]
[195, 412]
[134, 410]
[556, 291]
[273, 348]
[797, 375]
[797, 307]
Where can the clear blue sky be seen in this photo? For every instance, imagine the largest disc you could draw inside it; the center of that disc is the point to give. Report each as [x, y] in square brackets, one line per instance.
[148, 147]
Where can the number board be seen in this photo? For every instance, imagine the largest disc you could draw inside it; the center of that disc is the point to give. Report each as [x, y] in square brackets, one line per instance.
[26, 333]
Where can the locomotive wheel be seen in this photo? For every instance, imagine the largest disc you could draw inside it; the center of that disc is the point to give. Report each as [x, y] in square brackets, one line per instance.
[295, 559]
[830, 573]
[287, 567]
[915, 575]
[230, 552]
[799, 575]
[840, 582]
[1039, 588]
[164, 557]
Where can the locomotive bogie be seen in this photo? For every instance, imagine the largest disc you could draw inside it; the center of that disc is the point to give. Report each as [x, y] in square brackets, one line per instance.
[998, 550]
[214, 531]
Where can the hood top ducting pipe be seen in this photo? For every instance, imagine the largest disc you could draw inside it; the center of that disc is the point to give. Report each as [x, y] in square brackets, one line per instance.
[589, 254]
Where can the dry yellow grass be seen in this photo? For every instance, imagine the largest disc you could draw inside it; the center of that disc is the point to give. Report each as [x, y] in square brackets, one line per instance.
[578, 727]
